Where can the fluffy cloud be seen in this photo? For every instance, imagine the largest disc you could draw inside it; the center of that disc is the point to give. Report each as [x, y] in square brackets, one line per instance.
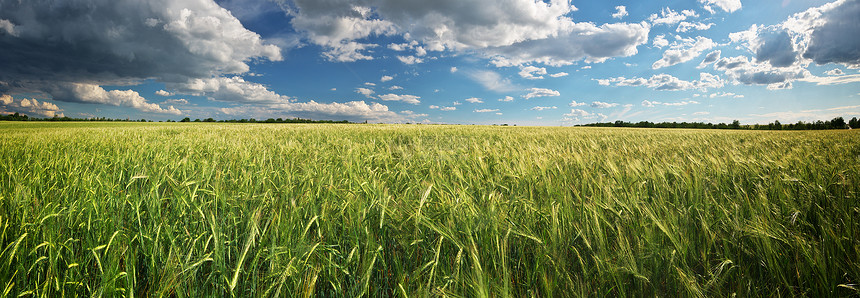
[823, 35]
[651, 104]
[666, 82]
[386, 79]
[29, 107]
[725, 94]
[576, 104]
[507, 98]
[163, 93]
[670, 17]
[832, 80]
[603, 105]
[413, 45]
[486, 110]
[229, 89]
[741, 70]
[834, 39]
[169, 40]
[834, 72]
[336, 27]
[435, 107]
[501, 29]
[69, 49]
[532, 72]
[687, 26]
[439, 25]
[725, 5]
[90, 93]
[660, 41]
[410, 60]
[364, 91]
[620, 12]
[540, 92]
[538, 108]
[577, 113]
[776, 49]
[580, 41]
[559, 74]
[177, 101]
[474, 100]
[683, 50]
[709, 59]
[412, 99]
[8, 27]
[356, 111]
[771, 44]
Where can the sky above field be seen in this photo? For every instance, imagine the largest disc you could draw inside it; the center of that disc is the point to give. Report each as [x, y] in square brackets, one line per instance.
[521, 62]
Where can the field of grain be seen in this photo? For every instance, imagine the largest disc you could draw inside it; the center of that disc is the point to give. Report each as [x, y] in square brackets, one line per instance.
[275, 210]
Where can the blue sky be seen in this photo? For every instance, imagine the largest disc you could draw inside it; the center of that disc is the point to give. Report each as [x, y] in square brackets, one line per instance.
[521, 62]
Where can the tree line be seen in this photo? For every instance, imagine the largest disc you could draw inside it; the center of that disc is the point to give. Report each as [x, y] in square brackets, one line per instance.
[835, 123]
[19, 117]
[270, 120]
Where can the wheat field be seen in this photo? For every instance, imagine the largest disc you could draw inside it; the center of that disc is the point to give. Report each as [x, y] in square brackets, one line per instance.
[289, 210]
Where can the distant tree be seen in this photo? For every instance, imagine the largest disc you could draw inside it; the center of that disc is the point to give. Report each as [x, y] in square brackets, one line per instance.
[854, 123]
[736, 124]
[197, 120]
[209, 120]
[837, 123]
[186, 119]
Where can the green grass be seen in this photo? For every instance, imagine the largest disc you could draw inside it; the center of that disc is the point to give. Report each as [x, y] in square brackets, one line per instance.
[190, 210]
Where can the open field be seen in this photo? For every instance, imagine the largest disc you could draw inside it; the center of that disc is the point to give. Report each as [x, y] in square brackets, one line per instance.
[189, 210]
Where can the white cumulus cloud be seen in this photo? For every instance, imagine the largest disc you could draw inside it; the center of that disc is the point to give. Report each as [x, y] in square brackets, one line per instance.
[683, 50]
[668, 16]
[540, 92]
[364, 91]
[620, 12]
[666, 82]
[532, 72]
[29, 107]
[726, 5]
[603, 105]
[576, 104]
[90, 93]
[412, 99]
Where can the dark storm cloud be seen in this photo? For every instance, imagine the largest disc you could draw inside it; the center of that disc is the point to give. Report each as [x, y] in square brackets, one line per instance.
[838, 39]
[777, 49]
[55, 46]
